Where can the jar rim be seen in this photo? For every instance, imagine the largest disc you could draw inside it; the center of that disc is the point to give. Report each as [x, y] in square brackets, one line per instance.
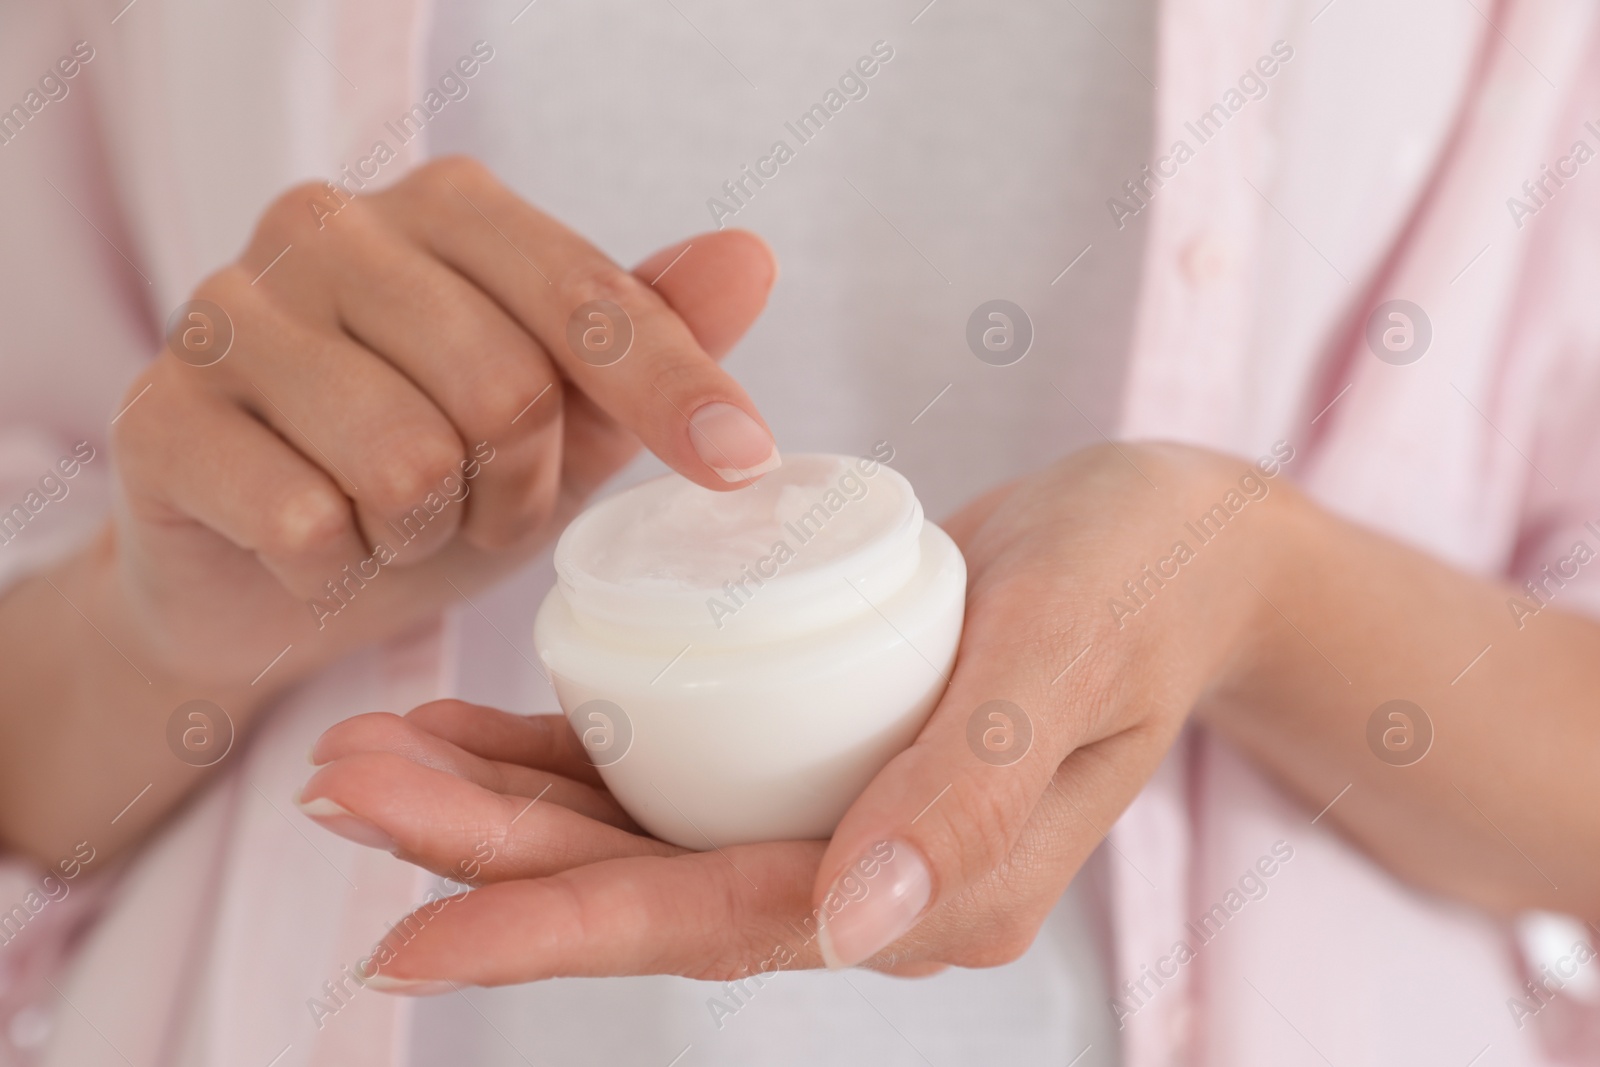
[779, 600]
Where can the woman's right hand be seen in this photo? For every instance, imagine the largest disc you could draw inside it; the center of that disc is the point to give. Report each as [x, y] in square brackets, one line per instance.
[404, 413]
[414, 374]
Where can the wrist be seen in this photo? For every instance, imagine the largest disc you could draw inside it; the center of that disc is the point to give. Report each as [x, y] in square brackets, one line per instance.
[92, 721]
[94, 588]
[1216, 571]
[1266, 593]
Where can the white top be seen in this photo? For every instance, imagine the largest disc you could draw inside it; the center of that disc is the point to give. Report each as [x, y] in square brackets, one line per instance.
[972, 165]
[1357, 165]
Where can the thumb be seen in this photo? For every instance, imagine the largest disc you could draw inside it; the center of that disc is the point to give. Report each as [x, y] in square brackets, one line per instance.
[942, 815]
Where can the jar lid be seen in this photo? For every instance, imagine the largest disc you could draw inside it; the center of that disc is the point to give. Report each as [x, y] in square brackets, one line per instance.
[818, 540]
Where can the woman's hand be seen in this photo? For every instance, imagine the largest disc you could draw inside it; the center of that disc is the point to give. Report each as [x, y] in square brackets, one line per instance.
[415, 395]
[388, 402]
[1058, 710]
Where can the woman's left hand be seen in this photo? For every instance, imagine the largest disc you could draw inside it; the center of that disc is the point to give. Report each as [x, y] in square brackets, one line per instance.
[1061, 705]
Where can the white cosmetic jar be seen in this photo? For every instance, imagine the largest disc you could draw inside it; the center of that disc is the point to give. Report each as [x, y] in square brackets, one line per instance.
[740, 664]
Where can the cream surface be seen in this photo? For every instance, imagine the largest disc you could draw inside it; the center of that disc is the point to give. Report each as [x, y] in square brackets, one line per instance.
[673, 534]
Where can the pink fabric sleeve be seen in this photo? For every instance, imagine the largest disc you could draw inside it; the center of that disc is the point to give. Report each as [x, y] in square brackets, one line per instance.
[1558, 542]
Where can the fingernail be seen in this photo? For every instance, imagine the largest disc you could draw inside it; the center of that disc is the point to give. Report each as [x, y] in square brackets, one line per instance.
[732, 443]
[311, 756]
[346, 824]
[872, 904]
[407, 987]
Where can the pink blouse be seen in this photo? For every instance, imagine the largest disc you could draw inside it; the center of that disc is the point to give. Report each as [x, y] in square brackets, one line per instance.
[1291, 218]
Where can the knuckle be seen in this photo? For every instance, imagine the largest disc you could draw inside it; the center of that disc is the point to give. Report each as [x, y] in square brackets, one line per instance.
[465, 173]
[600, 279]
[982, 832]
[511, 406]
[438, 712]
[217, 287]
[293, 212]
[229, 288]
[348, 225]
[1004, 941]
[687, 382]
[225, 290]
[420, 465]
[375, 730]
[307, 522]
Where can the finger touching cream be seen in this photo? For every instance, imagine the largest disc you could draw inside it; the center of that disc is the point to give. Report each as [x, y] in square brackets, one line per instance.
[740, 664]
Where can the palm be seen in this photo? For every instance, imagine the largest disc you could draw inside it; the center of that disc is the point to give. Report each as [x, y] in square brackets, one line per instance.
[509, 803]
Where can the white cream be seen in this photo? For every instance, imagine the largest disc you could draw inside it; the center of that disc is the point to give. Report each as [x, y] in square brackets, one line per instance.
[677, 535]
[763, 652]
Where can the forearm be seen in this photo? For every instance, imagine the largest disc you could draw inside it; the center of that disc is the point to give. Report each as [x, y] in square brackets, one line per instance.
[1504, 808]
[84, 711]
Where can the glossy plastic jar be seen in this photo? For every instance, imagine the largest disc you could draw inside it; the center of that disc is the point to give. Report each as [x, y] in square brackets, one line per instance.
[740, 665]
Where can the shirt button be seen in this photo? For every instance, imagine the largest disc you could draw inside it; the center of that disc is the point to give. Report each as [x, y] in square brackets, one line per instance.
[1204, 259]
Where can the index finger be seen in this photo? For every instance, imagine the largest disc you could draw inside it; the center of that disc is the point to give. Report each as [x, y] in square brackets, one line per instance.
[609, 332]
